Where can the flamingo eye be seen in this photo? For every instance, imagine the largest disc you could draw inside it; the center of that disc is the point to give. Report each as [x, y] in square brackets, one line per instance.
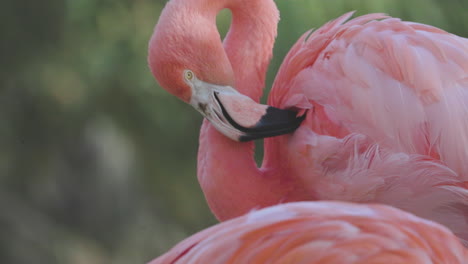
[188, 75]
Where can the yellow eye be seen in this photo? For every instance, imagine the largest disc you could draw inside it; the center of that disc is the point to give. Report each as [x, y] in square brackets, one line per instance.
[188, 75]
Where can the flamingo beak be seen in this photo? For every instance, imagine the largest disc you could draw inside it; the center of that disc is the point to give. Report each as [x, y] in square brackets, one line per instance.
[255, 121]
[238, 116]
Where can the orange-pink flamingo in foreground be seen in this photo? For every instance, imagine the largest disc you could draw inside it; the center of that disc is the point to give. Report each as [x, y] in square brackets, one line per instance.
[378, 108]
[321, 232]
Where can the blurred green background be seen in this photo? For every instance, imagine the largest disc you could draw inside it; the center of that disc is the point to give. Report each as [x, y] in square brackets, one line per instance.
[97, 163]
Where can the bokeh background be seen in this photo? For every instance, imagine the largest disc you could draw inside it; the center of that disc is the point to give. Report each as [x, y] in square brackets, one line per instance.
[97, 163]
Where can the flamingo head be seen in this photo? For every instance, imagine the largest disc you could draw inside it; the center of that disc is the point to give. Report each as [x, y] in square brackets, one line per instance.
[187, 58]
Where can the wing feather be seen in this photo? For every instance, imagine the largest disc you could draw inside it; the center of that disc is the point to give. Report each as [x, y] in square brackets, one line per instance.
[323, 232]
[402, 84]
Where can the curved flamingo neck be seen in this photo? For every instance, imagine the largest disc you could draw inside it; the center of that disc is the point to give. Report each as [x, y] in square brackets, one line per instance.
[229, 177]
[249, 43]
[227, 172]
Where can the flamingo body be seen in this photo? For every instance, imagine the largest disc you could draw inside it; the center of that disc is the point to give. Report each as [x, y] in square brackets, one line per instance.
[321, 232]
[381, 105]
[389, 121]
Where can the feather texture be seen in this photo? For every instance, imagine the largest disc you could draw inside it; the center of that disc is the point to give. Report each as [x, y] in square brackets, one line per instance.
[389, 122]
[321, 232]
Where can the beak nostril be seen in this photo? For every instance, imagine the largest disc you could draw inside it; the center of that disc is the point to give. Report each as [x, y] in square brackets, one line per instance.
[202, 107]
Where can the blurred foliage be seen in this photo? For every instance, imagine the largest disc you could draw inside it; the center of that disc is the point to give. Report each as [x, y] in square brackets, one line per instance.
[97, 163]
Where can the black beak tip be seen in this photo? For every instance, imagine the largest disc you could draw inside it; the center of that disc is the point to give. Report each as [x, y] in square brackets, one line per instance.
[275, 122]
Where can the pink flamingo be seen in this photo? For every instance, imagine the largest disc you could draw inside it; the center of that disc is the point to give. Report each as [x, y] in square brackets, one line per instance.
[378, 108]
[321, 232]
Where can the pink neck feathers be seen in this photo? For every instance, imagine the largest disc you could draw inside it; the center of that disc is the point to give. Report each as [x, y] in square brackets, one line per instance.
[227, 172]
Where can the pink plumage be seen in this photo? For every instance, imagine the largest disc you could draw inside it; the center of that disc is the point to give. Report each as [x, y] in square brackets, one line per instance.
[321, 232]
[384, 103]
